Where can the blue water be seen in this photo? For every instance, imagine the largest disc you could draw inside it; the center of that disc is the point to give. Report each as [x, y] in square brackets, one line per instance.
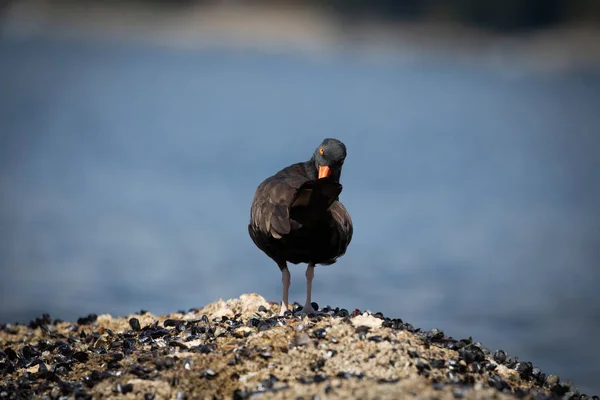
[127, 174]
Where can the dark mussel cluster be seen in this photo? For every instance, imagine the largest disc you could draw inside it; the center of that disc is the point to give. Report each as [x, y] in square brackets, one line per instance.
[54, 358]
[58, 353]
[474, 358]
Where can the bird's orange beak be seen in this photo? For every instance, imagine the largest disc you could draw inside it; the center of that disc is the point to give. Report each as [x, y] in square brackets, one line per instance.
[324, 171]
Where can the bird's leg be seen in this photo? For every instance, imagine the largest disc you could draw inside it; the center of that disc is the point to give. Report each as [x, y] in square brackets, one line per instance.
[285, 280]
[310, 274]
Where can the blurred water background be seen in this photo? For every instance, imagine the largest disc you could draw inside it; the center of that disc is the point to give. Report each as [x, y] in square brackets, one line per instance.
[133, 136]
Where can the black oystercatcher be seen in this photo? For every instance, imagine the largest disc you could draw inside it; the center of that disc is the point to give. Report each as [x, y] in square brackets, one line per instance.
[296, 216]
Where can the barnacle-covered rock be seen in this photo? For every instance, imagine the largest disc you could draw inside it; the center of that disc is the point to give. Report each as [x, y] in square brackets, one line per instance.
[240, 348]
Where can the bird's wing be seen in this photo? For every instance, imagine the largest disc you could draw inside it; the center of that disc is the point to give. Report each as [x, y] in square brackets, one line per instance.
[320, 193]
[312, 200]
[344, 224]
[270, 208]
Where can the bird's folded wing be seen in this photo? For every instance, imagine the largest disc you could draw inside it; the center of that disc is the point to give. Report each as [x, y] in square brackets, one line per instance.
[312, 200]
[320, 193]
[270, 209]
[344, 223]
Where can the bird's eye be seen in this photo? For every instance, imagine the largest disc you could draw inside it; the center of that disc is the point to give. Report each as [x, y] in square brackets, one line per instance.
[321, 151]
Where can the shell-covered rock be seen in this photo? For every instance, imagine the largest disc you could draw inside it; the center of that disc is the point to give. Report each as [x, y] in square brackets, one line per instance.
[240, 348]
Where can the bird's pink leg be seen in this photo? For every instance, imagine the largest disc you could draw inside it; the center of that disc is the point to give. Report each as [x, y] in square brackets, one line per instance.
[310, 274]
[285, 280]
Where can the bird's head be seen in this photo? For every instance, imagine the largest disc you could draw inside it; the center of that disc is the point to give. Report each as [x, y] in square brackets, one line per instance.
[329, 158]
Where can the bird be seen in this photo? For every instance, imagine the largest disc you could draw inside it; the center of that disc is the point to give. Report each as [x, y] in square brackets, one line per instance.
[296, 217]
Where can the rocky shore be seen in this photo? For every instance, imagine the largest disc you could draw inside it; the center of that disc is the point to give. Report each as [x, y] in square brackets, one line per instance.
[241, 349]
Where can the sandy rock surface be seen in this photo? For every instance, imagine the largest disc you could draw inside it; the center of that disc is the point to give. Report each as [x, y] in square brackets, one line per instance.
[240, 349]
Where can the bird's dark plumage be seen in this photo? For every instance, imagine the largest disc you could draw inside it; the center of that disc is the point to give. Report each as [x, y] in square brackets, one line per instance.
[297, 217]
